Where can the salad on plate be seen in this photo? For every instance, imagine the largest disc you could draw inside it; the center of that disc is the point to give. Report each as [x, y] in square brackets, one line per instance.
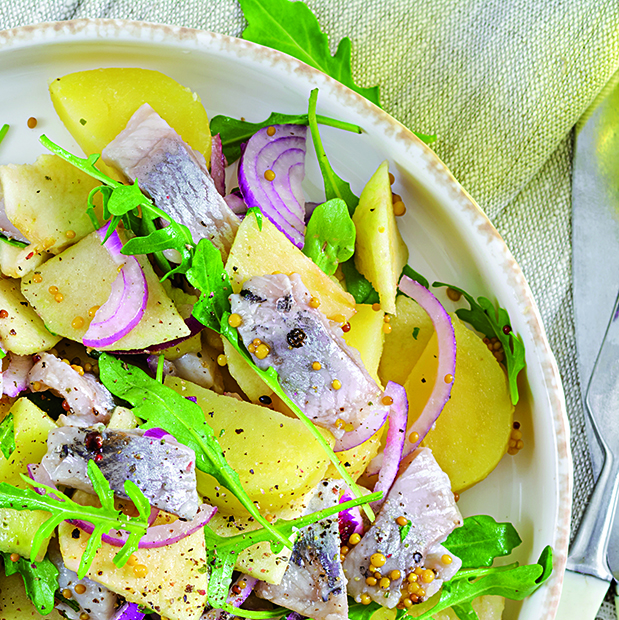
[224, 397]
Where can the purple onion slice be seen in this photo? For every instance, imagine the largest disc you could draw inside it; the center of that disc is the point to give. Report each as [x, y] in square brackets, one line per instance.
[396, 435]
[127, 302]
[271, 170]
[129, 611]
[235, 600]
[446, 361]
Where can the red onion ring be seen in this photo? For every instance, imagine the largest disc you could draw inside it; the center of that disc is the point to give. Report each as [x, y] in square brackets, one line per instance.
[363, 432]
[446, 361]
[129, 611]
[281, 152]
[126, 303]
[396, 435]
[156, 535]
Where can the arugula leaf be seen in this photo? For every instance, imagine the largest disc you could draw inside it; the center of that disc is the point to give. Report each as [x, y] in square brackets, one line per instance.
[416, 332]
[404, 530]
[234, 132]
[465, 611]
[7, 436]
[330, 235]
[4, 131]
[512, 581]
[208, 275]
[357, 284]
[258, 213]
[494, 323]
[40, 580]
[292, 28]
[481, 539]
[14, 242]
[335, 187]
[413, 275]
[63, 508]
[124, 202]
[359, 611]
[162, 407]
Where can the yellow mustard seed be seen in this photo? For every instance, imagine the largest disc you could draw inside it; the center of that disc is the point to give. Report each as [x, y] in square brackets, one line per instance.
[93, 311]
[384, 583]
[70, 234]
[391, 179]
[316, 365]
[399, 208]
[58, 297]
[140, 570]
[80, 588]
[77, 322]
[53, 290]
[365, 599]
[371, 581]
[336, 385]
[381, 229]
[378, 559]
[235, 320]
[37, 278]
[270, 131]
[387, 401]
[376, 307]
[133, 560]
[222, 360]
[413, 437]
[314, 302]
[394, 575]
[354, 539]
[448, 378]
[387, 328]
[427, 576]
[446, 559]
[269, 175]
[15, 557]
[262, 350]
[402, 521]
[67, 593]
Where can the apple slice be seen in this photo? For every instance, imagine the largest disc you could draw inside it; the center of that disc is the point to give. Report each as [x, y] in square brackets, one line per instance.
[380, 252]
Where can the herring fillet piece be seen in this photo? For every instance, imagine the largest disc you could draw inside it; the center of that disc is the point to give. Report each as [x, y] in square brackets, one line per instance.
[422, 494]
[90, 402]
[275, 309]
[173, 175]
[162, 469]
[314, 584]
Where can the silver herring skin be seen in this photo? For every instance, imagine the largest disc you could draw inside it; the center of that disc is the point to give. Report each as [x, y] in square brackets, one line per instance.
[276, 309]
[422, 495]
[314, 584]
[173, 175]
[163, 469]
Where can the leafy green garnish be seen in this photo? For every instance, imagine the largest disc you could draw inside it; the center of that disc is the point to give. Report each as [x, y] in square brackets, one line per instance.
[494, 323]
[7, 436]
[512, 581]
[160, 363]
[125, 202]
[481, 539]
[223, 551]
[258, 213]
[404, 530]
[3, 131]
[413, 275]
[358, 285]
[67, 601]
[62, 508]
[14, 242]
[292, 28]
[335, 187]
[416, 332]
[330, 235]
[211, 278]
[40, 580]
[234, 132]
[162, 407]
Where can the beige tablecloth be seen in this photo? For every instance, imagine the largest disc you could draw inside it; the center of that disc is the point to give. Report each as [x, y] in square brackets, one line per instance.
[502, 82]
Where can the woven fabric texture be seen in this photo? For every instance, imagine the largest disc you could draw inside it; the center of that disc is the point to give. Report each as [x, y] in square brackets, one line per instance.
[501, 83]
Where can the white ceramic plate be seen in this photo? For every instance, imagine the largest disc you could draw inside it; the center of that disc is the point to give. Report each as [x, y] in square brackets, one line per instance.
[449, 237]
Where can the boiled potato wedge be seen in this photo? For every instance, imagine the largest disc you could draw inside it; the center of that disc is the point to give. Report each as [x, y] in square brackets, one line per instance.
[17, 527]
[83, 275]
[46, 201]
[411, 329]
[367, 336]
[276, 457]
[257, 252]
[380, 252]
[14, 603]
[175, 585]
[249, 381]
[96, 105]
[472, 433]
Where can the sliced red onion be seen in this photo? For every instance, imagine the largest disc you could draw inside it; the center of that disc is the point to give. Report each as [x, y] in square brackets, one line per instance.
[156, 433]
[236, 600]
[129, 611]
[218, 165]
[280, 199]
[156, 535]
[15, 377]
[236, 203]
[396, 435]
[363, 432]
[349, 520]
[446, 360]
[127, 302]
